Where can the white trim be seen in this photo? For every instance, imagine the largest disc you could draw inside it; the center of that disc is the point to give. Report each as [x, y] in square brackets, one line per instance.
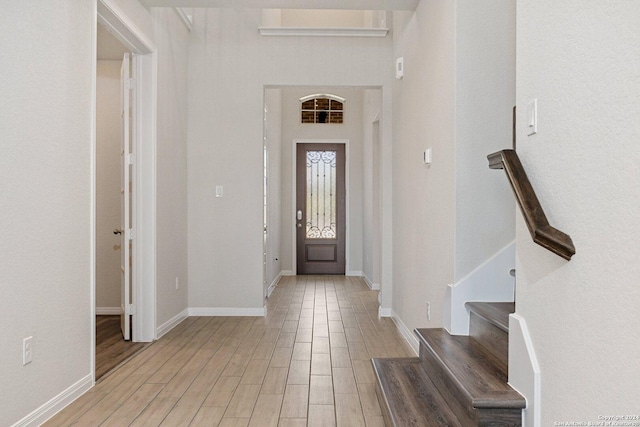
[409, 5]
[354, 274]
[93, 240]
[524, 370]
[227, 311]
[108, 311]
[323, 95]
[323, 32]
[347, 155]
[172, 323]
[490, 281]
[385, 312]
[273, 284]
[371, 285]
[115, 20]
[287, 273]
[187, 19]
[406, 333]
[55, 405]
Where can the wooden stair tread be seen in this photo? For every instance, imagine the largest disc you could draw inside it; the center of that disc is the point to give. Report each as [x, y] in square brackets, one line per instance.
[408, 397]
[493, 312]
[476, 373]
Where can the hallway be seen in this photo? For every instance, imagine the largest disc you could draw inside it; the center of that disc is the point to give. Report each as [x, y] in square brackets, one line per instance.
[307, 362]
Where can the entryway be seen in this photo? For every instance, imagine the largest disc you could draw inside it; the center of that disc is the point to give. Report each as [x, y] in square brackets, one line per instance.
[132, 242]
[320, 208]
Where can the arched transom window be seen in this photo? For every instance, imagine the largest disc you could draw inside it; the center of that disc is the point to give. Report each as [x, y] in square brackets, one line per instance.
[322, 108]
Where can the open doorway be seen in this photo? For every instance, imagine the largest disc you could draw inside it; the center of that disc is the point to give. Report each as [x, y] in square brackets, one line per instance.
[115, 189]
[142, 170]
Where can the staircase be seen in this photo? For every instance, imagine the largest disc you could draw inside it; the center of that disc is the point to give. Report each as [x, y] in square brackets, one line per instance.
[456, 380]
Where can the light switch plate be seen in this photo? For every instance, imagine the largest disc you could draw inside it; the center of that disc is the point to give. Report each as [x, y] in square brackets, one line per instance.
[532, 117]
[427, 157]
[400, 67]
[219, 191]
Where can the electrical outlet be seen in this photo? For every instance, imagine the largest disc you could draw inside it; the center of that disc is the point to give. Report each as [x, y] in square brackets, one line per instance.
[177, 283]
[428, 310]
[27, 351]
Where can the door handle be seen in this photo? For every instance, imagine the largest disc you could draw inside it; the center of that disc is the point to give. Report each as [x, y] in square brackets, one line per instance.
[117, 231]
[299, 215]
[299, 225]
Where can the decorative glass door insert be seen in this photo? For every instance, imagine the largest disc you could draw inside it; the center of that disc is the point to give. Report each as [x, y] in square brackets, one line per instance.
[320, 208]
[321, 200]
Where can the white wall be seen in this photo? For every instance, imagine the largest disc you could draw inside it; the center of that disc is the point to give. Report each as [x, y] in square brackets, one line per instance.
[350, 130]
[229, 66]
[371, 111]
[485, 96]
[582, 62]
[455, 98]
[273, 103]
[171, 38]
[424, 198]
[46, 186]
[325, 18]
[108, 184]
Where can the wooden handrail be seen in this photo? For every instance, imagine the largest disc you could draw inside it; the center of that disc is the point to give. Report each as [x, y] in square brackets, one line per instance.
[542, 233]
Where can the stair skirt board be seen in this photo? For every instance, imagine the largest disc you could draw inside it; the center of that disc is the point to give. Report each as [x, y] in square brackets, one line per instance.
[490, 281]
[524, 371]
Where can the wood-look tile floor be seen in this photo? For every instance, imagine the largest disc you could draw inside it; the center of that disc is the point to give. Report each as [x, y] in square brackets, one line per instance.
[306, 363]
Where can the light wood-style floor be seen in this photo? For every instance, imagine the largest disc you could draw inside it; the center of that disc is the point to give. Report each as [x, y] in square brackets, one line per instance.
[306, 363]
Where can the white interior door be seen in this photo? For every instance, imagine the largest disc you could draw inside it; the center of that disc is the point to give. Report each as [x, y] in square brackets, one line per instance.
[125, 202]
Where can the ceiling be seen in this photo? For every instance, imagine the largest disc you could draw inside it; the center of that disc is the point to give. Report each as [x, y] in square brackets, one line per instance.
[290, 4]
[109, 48]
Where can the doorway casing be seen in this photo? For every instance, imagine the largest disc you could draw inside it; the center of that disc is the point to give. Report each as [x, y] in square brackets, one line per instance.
[117, 22]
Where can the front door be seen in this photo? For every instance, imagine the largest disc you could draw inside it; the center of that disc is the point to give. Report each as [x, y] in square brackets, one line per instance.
[320, 208]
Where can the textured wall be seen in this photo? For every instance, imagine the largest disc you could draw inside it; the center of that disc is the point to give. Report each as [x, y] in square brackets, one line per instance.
[46, 185]
[273, 102]
[455, 98]
[582, 62]
[424, 198]
[485, 96]
[371, 110]
[171, 38]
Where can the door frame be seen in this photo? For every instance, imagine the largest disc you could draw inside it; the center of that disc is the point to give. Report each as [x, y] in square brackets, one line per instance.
[116, 21]
[347, 158]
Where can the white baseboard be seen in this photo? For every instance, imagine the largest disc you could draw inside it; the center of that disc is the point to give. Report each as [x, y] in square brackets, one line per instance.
[226, 311]
[385, 312]
[409, 336]
[354, 273]
[171, 323]
[273, 284]
[524, 370]
[287, 273]
[108, 311]
[58, 403]
[370, 284]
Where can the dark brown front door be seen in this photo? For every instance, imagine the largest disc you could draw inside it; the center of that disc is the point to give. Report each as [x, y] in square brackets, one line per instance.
[320, 208]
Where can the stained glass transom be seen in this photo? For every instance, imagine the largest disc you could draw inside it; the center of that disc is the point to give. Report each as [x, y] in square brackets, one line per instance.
[321, 195]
